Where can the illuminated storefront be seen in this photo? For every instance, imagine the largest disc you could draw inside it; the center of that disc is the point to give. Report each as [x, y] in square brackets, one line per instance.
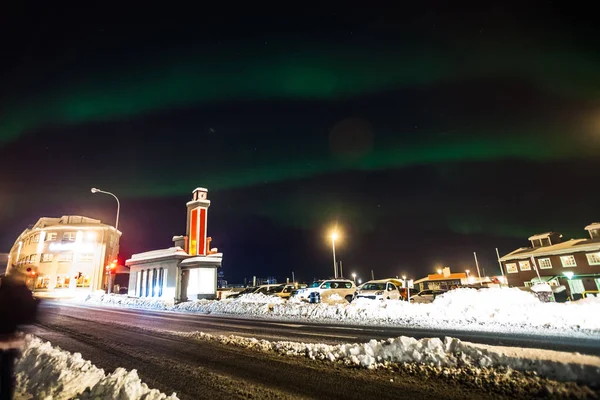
[188, 270]
[63, 253]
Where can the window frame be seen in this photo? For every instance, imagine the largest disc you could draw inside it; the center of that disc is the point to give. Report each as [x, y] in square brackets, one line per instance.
[562, 261]
[527, 262]
[63, 257]
[596, 254]
[66, 237]
[540, 264]
[510, 266]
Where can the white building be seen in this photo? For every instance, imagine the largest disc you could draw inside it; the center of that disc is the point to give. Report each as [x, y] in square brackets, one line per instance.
[188, 270]
[70, 252]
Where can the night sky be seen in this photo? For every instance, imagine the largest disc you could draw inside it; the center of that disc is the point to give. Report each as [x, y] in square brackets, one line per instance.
[425, 132]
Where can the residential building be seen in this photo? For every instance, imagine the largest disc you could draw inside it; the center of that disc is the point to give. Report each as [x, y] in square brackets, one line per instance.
[574, 263]
[69, 252]
[443, 281]
[188, 270]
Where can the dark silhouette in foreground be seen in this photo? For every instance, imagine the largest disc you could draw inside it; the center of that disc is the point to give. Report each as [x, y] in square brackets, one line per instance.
[17, 307]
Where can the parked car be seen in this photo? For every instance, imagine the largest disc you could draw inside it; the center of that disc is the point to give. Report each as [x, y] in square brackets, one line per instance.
[265, 289]
[378, 290]
[426, 296]
[345, 288]
[284, 291]
[247, 290]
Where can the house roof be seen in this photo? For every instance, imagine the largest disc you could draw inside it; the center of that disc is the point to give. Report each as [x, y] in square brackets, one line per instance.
[156, 254]
[442, 277]
[567, 247]
[593, 225]
[543, 235]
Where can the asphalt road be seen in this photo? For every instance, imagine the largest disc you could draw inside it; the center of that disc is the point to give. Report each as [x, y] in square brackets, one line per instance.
[112, 337]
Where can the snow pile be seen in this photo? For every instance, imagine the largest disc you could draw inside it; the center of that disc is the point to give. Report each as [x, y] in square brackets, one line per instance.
[494, 309]
[46, 372]
[134, 302]
[259, 298]
[447, 353]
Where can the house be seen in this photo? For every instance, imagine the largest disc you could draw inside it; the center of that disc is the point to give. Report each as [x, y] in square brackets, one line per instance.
[574, 263]
[442, 281]
[187, 270]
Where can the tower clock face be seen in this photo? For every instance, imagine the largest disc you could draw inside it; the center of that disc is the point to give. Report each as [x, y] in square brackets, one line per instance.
[203, 195]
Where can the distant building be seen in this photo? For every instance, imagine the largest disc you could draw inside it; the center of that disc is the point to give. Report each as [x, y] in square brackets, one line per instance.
[188, 270]
[573, 263]
[221, 281]
[69, 252]
[443, 281]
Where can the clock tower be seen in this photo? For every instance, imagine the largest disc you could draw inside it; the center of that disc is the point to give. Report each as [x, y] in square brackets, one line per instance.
[197, 211]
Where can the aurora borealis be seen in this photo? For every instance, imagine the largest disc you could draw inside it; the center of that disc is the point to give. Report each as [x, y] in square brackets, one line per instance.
[474, 128]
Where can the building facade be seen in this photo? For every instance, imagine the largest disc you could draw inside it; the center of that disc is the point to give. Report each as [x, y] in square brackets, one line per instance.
[442, 281]
[188, 270]
[574, 264]
[70, 252]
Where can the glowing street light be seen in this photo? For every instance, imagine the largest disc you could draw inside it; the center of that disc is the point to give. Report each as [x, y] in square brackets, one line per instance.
[334, 237]
[439, 271]
[407, 288]
[568, 274]
[94, 190]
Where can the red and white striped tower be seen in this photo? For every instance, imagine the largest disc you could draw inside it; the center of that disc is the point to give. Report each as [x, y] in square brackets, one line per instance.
[197, 214]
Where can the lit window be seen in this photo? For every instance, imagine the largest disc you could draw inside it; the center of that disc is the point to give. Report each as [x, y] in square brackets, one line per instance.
[36, 238]
[568, 261]
[90, 236]
[545, 263]
[593, 258]
[86, 257]
[51, 236]
[69, 236]
[65, 257]
[512, 268]
[32, 258]
[524, 265]
[47, 257]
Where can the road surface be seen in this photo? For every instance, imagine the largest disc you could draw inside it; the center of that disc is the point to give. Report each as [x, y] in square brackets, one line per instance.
[113, 337]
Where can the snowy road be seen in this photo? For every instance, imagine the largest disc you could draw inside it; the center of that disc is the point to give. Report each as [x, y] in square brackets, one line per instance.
[113, 338]
[305, 332]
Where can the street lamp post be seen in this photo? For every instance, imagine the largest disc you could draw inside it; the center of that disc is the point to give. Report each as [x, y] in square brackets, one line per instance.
[407, 288]
[354, 277]
[334, 237]
[94, 190]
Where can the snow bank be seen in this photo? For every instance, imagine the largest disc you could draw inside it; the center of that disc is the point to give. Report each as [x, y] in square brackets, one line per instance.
[447, 353]
[495, 309]
[47, 372]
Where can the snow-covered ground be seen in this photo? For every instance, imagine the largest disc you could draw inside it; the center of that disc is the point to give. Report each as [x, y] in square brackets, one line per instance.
[505, 310]
[47, 372]
[450, 353]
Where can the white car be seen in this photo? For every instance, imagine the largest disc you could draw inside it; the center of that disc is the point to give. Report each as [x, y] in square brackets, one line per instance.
[426, 296]
[342, 287]
[379, 290]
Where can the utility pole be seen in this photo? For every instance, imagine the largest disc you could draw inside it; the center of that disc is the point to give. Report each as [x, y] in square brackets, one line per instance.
[293, 278]
[372, 275]
[341, 270]
[499, 262]
[477, 264]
